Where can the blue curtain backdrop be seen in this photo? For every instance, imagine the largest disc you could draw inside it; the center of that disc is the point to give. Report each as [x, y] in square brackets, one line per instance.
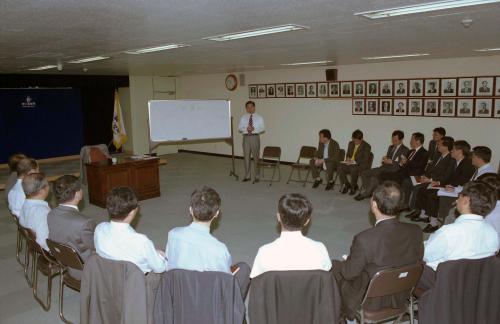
[40, 123]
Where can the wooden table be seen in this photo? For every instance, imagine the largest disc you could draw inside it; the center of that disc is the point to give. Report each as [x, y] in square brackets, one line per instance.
[141, 175]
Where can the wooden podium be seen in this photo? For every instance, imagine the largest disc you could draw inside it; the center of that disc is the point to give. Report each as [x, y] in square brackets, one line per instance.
[141, 175]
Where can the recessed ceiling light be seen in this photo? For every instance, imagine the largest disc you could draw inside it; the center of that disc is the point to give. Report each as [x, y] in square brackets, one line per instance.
[89, 59]
[156, 48]
[424, 7]
[488, 49]
[256, 32]
[394, 56]
[45, 67]
[307, 63]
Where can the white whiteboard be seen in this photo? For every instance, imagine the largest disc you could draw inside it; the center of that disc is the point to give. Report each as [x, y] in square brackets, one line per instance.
[188, 120]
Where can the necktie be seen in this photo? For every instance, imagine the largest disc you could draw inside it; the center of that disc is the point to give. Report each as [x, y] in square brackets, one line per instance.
[411, 155]
[394, 153]
[474, 175]
[354, 152]
[250, 123]
[440, 158]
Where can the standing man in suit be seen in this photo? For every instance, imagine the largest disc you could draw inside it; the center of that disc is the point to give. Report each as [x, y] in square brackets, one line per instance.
[66, 223]
[327, 159]
[388, 244]
[390, 163]
[437, 135]
[251, 126]
[357, 160]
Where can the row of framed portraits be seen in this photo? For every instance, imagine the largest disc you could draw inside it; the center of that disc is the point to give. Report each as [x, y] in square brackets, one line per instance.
[435, 87]
[444, 107]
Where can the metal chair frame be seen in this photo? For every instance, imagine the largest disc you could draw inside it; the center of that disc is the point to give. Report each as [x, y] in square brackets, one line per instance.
[306, 152]
[274, 163]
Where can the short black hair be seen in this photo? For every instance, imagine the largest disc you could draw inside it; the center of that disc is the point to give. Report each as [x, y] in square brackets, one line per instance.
[462, 146]
[440, 130]
[419, 137]
[14, 160]
[482, 197]
[205, 202]
[357, 134]
[24, 166]
[388, 198]
[295, 210]
[399, 133]
[326, 133]
[492, 180]
[482, 152]
[33, 183]
[250, 102]
[120, 201]
[65, 188]
[448, 142]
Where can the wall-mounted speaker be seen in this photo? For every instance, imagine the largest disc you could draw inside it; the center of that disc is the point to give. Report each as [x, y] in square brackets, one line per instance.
[242, 79]
[331, 74]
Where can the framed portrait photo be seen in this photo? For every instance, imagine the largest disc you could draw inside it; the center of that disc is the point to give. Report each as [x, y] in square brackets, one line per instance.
[465, 107]
[371, 106]
[358, 106]
[386, 88]
[484, 86]
[290, 90]
[323, 89]
[401, 88]
[385, 106]
[359, 88]
[483, 108]
[415, 107]
[431, 107]
[431, 87]
[261, 90]
[346, 89]
[400, 107]
[252, 91]
[466, 87]
[416, 87]
[300, 90]
[448, 87]
[372, 88]
[497, 86]
[271, 90]
[311, 90]
[496, 112]
[447, 108]
[280, 90]
[333, 89]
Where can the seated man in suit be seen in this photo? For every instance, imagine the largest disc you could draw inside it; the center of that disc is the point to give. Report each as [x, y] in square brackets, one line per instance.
[413, 164]
[388, 244]
[292, 250]
[327, 158]
[493, 218]
[390, 163]
[469, 237]
[66, 223]
[35, 209]
[16, 195]
[437, 135]
[12, 179]
[117, 240]
[357, 160]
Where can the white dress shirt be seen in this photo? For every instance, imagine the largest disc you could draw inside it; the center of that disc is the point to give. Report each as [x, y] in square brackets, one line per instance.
[493, 219]
[487, 168]
[33, 215]
[258, 124]
[16, 197]
[291, 251]
[194, 248]
[120, 242]
[469, 237]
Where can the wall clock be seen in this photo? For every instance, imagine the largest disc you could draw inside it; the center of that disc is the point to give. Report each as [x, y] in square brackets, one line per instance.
[231, 82]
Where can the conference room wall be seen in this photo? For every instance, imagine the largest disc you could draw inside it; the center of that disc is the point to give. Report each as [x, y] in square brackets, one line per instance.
[292, 123]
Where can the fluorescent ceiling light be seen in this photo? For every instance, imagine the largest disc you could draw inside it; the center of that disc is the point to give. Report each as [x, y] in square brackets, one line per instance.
[256, 32]
[89, 59]
[156, 48]
[488, 49]
[394, 56]
[424, 7]
[307, 63]
[45, 67]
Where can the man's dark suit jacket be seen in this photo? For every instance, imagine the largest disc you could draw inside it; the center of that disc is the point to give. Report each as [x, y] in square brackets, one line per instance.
[362, 157]
[433, 151]
[333, 152]
[415, 166]
[461, 173]
[388, 244]
[441, 171]
[402, 150]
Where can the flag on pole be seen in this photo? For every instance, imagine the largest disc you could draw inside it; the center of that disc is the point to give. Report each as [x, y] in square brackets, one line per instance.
[119, 134]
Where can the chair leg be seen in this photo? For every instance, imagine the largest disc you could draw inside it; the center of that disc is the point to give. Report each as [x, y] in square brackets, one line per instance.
[27, 273]
[290, 176]
[61, 298]
[272, 177]
[19, 247]
[45, 305]
[307, 176]
[410, 309]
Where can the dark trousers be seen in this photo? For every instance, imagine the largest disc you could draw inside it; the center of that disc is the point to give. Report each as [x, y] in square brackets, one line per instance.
[331, 166]
[445, 205]
[417, 191]
[353, 170]
[401, 178]
[428, 200]
[428, 278]
[370, 178]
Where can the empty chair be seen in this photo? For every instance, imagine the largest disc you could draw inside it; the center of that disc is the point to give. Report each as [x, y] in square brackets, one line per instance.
[270, 160]
[306, 153]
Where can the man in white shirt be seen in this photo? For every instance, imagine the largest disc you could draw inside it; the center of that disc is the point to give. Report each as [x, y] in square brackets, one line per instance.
[12, 179]
[117, 240]
[493, 218]
[292, 250]
[251, 125]
[16, 196]
[481, 157]
[34, 212]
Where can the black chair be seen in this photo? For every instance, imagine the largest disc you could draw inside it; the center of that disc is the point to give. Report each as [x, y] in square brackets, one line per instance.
[306, 153]
[270, 160]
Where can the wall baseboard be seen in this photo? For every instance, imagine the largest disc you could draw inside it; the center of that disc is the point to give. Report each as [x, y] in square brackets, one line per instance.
[224, 155]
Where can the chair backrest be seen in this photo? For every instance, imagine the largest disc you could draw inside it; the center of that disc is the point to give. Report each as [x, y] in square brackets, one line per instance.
[273, 152]
[65, 255]
[392, 281]
[307, 152]
[370, 160]
[342, 154]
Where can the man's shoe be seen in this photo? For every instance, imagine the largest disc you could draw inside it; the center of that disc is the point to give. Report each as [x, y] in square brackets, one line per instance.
[317, 183]
[353, 190]
[419, 219]
[346, 188]
[329, 186]
[256, 180]
[430, 229]
[360, 197]
[414, 213]
[245, 180]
